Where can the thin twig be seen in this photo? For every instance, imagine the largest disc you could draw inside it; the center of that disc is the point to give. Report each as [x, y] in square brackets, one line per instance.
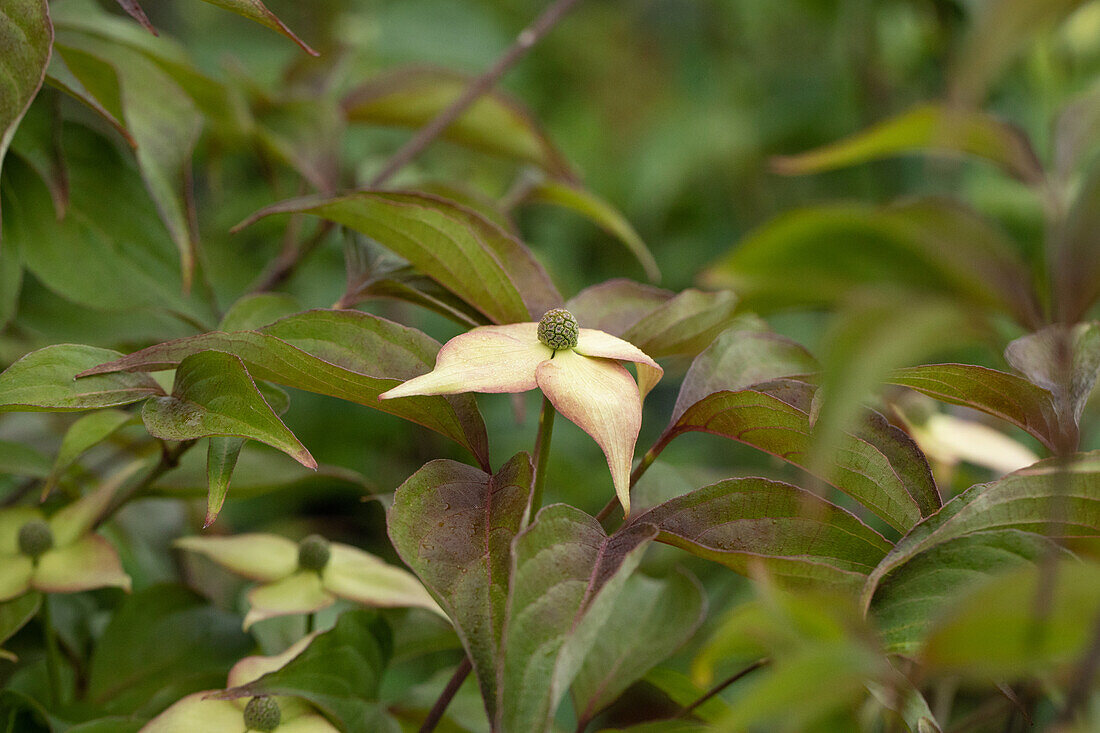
[689, 709]
[476, 89]
[289, 259]
[440, 707]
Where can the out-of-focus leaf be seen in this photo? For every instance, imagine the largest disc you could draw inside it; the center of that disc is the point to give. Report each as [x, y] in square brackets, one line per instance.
[916, 593]
[1065, 361]
[60, 76]
[38, 143]
[616, 305]
[685, 324]
[607, 217]
[305, 134]
[1076, 132]
[495, 123]
[221, 458]
[111, 234]
[82, 435]
[876, 464]
[792, 532]
[933, 128]
[453, 525]
[664, 614]
[11, 279]
[1000, 31]
[663, 726]
[14, 615]
[472, 198]
[163, 643]
[995, 393]
[214, 395]
[258, 310]
[44, 381]
[567, 576]
[681, 690]
[999, 630]
[1076, 260]
[346, 354]
[816, 256]
[17, 459]
[114, 724]
[467, 254]
[26, 37]
[163, 121]
[1054, 497]
[406, 284]
[257, 11]
[339, 672]
[133, 9]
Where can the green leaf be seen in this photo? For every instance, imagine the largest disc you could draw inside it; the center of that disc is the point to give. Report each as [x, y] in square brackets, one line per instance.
[402, 282]
[60, 76]
[258, 310]
[339, 673]
[931, 128]
[681, 690]
[591, 206]
[792, 532]
[467, 254]
[221, 458]
[161, 644]
[214, 395]
[1053, 497]
[108, 725]
[664, 614]
[17, 459]
[82, 435]
[998, 631]
[685, 324]
[346, 354]
[1076, 261]
[815, 256]
[913, 595]
[494, 123]
[995, 393]
[875, 463]
[567, 575]
[257, 11]
[453, 525]
[26, 36]
[14, 615]
[1065, 361]
[11, 279]
[37, 142]
[44, 381]
[616, 305]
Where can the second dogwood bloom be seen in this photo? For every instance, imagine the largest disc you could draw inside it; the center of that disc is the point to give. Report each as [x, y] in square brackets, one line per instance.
[578, 369]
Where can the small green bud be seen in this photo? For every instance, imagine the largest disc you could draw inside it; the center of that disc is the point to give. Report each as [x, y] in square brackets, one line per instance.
[558, 329]
[313, 553]
[262, 714]
[35, 538]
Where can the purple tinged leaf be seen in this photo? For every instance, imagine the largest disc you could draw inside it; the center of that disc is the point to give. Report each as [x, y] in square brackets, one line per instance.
[214, 395]
[453, 525]
[257, 11]
[616, 305]
[685, 325]
[567, 575]
[43, 381]
[467, 254]
[1065, 361]
[346, 354]
[133, 9]
[791, 532]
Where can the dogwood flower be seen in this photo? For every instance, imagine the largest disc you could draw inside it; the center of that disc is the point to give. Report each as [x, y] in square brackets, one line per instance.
[578, 369]
[304, 577]
[204, 711]
[58, 554]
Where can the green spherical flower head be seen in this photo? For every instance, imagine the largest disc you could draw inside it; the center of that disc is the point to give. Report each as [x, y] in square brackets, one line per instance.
[313, 553]
[558, 329]
[35, 538]
[262, 714]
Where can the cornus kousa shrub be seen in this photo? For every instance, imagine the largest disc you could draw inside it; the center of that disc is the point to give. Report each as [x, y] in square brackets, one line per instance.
[258, 471]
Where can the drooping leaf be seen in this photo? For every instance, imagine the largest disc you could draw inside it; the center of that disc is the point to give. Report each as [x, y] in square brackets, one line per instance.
[44, 381]
[467, 254]
[663, 613]
[26, 37]
[163, 643]
[346, 354]
[993, 392]
[874, 463]
[931, 128]
[1055, 497]
[495, 123]
[790, 531]
[214, 395]
[816, 256]
[257, 11]
[566, 577]
[453, 525]
[17, 459]
[685, 324]
[998, 630]
[1065, 361]
[616, 305]
[912, 596]
[82, 435]
[133, 9]
[591, 206]
[339, 673]
[221, 458]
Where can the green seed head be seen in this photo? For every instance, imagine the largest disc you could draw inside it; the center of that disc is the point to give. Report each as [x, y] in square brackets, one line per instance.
[35, 538]
[313, 553]
[558, 329]
[262, 714]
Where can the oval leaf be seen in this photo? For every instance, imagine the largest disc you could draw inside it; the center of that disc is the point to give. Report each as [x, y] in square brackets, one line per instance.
[257, 11]
[82, 435]
[44, 381]
[26, 35]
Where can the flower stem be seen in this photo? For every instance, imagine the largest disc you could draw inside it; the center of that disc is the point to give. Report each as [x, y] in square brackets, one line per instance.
[53, 654]
[542, 453]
